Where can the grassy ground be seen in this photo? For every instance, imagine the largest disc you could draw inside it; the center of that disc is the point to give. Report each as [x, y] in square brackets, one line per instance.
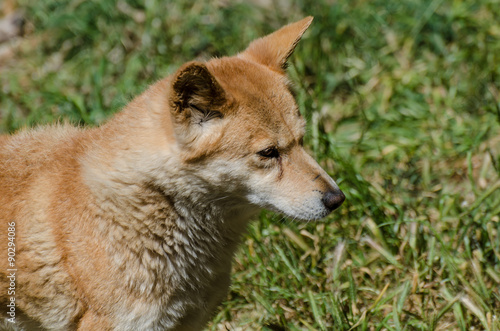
[403, 104]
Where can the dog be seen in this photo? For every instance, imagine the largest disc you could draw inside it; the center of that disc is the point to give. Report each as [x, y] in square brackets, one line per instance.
[132, 225]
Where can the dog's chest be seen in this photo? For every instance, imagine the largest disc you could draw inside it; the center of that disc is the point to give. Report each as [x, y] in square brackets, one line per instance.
[176, 264]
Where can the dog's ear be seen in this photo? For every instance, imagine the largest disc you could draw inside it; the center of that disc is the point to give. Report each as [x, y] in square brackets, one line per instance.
[273, 50]
[196, 95]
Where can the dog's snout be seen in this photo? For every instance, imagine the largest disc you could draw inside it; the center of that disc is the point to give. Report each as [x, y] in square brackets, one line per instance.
[333, 199]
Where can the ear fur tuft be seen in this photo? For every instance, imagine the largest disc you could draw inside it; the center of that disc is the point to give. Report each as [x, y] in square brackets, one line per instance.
[196, 93]
[274, 49]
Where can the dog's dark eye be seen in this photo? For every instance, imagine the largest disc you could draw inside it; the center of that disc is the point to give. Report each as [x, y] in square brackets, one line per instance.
[270, 152]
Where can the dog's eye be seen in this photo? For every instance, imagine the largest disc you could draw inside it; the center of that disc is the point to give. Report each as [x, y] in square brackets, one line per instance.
[270, 152]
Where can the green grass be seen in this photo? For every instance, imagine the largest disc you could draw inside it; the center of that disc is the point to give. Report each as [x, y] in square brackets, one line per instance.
[403, 106]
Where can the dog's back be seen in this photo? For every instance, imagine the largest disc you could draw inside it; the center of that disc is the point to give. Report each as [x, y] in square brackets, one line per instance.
[33, 166]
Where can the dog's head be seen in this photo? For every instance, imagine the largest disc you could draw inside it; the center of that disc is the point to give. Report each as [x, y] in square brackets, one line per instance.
[239, 129]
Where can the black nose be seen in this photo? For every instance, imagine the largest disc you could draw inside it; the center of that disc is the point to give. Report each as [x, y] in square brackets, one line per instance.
[333, 199]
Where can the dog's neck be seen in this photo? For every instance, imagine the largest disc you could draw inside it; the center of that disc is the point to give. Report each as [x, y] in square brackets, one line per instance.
[187, 224]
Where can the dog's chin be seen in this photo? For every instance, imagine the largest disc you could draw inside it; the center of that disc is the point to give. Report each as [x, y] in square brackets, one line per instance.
[299, 214]
[308, 217]
[308, 210]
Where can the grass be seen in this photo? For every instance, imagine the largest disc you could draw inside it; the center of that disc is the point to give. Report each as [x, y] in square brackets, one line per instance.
[403, 106]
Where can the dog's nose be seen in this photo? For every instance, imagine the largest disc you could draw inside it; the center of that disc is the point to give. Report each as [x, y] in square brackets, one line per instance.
[333, 199]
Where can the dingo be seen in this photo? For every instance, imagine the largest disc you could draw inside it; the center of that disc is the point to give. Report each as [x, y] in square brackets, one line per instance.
[133, 225]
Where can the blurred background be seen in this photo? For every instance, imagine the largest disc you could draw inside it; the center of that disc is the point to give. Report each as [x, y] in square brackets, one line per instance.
[402, 100]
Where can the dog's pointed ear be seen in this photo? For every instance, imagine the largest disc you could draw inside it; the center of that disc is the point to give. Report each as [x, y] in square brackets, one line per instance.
[274, 49]
[196, 94]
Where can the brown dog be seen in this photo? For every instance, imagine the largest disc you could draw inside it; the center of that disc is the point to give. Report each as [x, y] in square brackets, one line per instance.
[133, 225]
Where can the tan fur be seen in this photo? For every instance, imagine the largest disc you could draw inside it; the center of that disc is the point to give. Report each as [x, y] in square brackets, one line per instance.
[132, 225]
